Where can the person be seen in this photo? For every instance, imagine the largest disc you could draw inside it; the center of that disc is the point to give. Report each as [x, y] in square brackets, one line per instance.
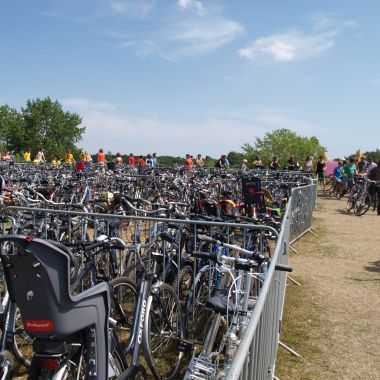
[308, 165]
[362, 165]
[257, 163]
[118, 159]
[199, 161]
[148, 160]
[338, 179]
[85, 156]
[293, 163]
[374, 175]
[320, 169]
[80, 166]
[244, 165]
[350, 171]
[101, 157]
[273, 165]
[27, 155]
[56, 161]
[69, 158]
[140, 164]
[188, 163]
[131, 159]
[5, 156]
[222, 162]
[154, 160]
[40, 157]
[371, 164]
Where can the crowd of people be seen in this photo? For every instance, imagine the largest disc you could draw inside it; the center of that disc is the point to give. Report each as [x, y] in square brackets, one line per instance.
[347, 171]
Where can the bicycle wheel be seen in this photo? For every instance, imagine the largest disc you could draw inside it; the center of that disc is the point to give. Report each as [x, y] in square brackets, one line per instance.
[183, 282]
[351, 202]
[22, 346]
[163, 332]
[123, 300]
[328, 183]
[362, 204]
[196, 313]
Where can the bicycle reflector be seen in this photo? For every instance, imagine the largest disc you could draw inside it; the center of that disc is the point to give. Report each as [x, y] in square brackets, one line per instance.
[49, 364]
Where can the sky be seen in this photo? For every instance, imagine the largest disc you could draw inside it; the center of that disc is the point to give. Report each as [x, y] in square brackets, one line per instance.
[198, 76]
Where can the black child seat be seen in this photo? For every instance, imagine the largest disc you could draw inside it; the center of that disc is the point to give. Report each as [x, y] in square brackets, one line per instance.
[37, 274]
[252, 195]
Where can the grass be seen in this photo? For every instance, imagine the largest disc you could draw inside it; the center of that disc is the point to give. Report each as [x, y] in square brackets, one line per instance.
[301, 331]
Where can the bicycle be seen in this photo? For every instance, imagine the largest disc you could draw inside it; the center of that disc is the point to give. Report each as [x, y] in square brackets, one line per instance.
[231, 303]
[73, 335]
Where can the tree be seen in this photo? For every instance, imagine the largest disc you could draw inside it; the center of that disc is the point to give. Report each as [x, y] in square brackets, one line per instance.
[283, 143]
[235, 159]
[47, 126]
[11, 131]
[375, 155]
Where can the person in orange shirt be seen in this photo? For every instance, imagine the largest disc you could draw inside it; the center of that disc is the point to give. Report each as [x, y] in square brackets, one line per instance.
[101, 157]
[188, 163]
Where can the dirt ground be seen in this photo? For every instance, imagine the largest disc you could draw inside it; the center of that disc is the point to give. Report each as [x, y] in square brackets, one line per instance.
[333, 320]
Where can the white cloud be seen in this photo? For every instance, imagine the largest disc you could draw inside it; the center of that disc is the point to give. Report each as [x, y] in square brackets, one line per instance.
[290, 46]
[193, 5]
[196, 37]
[136, 8]
[86, 105]
[297, 45]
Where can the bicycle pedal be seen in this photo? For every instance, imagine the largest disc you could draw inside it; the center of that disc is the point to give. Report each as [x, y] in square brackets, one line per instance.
[185, 346]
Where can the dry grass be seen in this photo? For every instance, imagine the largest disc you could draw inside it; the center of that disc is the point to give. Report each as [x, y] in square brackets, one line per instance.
[333, 319]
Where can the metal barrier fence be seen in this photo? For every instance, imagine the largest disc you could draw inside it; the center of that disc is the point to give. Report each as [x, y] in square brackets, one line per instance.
[256, 355]
[257, 350]
[303, 204]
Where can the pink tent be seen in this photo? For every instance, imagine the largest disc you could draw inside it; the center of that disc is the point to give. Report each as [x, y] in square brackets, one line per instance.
[330, 166]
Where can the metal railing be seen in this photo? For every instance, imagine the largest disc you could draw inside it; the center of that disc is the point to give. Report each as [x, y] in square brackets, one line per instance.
[257, 352]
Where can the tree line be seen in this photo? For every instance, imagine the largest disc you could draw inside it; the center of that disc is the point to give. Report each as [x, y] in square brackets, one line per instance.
[43, 123]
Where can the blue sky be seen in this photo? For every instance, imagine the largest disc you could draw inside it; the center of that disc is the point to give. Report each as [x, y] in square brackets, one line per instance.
[198, 76]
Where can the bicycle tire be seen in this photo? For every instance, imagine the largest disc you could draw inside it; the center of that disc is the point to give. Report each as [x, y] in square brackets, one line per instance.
[196, 314]
[351, 202]
[328, 183]
[163, 330]
[183, 282]
[22, 345]
[362, 205]
[123, 300]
